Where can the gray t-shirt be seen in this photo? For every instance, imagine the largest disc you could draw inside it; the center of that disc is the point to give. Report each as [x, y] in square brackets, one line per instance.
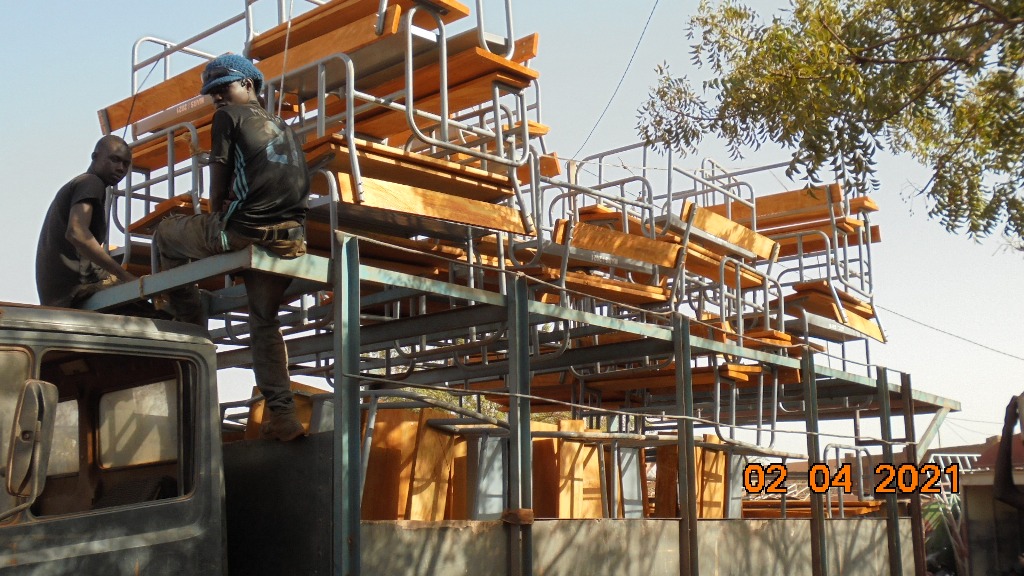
[59, 267]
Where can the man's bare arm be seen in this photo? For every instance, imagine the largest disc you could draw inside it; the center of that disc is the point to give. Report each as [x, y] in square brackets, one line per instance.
[88, 246]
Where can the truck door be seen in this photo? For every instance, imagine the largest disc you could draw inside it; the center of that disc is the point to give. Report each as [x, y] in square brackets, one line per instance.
[15, 368]
[130, 486]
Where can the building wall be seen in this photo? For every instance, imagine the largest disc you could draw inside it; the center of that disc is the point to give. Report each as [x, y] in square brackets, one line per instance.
[629, 547]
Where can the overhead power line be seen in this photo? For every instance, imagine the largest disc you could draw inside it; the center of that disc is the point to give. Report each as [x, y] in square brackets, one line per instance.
[621, 80]
[952, 335]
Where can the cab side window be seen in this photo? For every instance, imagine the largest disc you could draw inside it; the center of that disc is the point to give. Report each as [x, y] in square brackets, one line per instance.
[122, 435]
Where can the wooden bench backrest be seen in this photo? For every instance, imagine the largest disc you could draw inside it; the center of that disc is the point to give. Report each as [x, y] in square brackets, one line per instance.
[774, 207]
[729, 231]
[473, 67]
[184, 87]
[604, 240]
[173, 91]
[396, 165]
[338, 14]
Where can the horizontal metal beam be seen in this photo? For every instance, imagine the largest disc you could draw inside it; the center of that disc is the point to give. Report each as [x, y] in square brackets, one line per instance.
[308, 267]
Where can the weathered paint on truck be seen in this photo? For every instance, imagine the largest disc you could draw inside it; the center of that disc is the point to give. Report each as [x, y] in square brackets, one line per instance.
[135, 482]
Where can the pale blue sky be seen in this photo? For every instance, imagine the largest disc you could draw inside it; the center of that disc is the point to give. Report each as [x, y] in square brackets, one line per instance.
[63, 60]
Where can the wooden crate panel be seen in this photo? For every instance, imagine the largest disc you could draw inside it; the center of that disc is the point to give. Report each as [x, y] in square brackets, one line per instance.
[570, 471]
[390, 468]
[545, 472]
[435, 453]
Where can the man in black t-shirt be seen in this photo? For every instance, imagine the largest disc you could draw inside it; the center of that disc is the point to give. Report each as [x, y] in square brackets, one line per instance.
[259, 187]
[71, 263]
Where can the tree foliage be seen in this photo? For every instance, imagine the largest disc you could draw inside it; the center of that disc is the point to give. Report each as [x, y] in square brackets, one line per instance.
[837, 81]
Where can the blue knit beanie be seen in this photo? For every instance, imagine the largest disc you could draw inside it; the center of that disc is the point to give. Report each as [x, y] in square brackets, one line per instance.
[228, 68]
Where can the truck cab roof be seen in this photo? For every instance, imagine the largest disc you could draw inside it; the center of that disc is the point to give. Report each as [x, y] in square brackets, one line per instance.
[50, 319]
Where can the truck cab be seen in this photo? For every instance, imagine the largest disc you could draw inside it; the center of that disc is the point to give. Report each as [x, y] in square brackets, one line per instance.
[122, 474]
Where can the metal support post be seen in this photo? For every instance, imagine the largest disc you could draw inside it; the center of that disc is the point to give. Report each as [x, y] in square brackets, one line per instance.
[687, 487]
[819, 552]
[520, 442]
[930, 433]
[892, 527]
[346, 489]
[916, 518]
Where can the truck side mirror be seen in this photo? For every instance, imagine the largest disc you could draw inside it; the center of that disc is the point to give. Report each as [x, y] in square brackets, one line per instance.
[31, 437]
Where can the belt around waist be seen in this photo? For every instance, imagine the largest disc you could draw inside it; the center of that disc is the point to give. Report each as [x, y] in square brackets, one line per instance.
[284, 231]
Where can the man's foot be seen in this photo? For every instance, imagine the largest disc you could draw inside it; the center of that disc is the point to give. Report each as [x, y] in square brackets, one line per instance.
[283, 427]
[186, 307]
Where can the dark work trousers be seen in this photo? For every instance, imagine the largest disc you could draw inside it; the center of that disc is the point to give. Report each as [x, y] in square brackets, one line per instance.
[181, 238]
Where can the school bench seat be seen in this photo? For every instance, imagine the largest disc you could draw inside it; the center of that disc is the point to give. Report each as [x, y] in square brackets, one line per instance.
[601, 261]
[613, 389]
[176, 100]
[472, 74]
[472, 71]
[801, 220]
[704, 254]
[345, 25]
[414, 186]
[772, 508]
[713, 328]
[742, 375]
[821, 298]
[809, 242]
[338, 13]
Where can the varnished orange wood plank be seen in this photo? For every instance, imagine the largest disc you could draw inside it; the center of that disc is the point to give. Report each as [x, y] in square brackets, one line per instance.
[153, 155]
[815, 243]
[728, 230]
[549, 168]
[666, 482]
[842, 225]
[347, 38]
[435, 452]
[823, 305]
[458, 486]
[526, 48]
[174, 90]
[780, 204]
[711, 492]
[392, 164]
[702, 376]
[570, 471]
[849, 301]
[390, 468]
[180, 204]
[613, 290]
[598, 239]
[591, 505]
[416, 201]
[323, 19]
[393, 125]
[545, 472]
[701, 261]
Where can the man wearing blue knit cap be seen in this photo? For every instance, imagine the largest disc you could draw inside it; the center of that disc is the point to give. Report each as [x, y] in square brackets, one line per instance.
[259, 187]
